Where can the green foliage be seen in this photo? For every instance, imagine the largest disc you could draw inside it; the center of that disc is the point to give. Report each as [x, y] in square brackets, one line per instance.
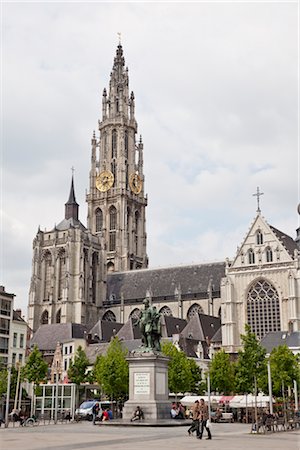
[111, 371]
[197, 386]
[35, 369]
[222, 373]
[77, 370]
[180, 377]
[251, 363]
[284, 369]
[13, 381]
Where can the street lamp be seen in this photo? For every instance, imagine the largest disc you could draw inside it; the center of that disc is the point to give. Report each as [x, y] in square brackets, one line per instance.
[270, 387]
[7, 394]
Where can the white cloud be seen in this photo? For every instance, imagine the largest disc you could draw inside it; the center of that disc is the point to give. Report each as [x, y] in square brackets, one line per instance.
[216, 103]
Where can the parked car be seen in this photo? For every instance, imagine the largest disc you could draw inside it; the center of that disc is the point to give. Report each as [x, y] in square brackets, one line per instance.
[85, 410]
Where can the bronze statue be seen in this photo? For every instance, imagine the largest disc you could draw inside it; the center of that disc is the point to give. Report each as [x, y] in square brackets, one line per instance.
[150, 326]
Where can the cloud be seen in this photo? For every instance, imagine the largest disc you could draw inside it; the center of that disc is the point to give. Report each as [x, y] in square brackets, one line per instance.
[216, 103]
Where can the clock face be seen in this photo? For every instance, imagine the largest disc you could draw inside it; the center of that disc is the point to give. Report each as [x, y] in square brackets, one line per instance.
[104, 181]
[135, 183]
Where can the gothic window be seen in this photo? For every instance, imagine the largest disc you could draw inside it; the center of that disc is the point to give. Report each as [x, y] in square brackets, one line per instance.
[45, 318]
[136, 217]
[251, 256]
[269, 254]
[135, 314]
[109, 316]
[110, 267]
[114, 171]
[259, 237]
[99, 220]
[127, 174]
[114, 144]
[194, 310]
[263, 308]
[165, 311]
[94, 276]
[126, 144]
[62, 272]
[86, 272]
[58, 316]
[112, 228]
[47, 279]
[104, 144]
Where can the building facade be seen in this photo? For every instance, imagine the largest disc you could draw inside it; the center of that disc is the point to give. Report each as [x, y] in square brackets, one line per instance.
[6, 318]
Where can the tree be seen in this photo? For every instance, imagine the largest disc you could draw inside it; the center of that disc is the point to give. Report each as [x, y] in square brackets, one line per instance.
[179, 375]
[112, 371]
[35, 369]
[251, 364]
[222, 373]
[197, 385]
[77, 370]
[284, 369]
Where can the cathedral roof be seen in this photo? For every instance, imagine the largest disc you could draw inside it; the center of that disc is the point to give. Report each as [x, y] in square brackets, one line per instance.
[288, 242]
[47, 336]
[202, 327]
[105, 330]
[163, 282]
[65, 224]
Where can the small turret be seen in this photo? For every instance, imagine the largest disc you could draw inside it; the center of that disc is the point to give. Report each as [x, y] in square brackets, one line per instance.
[104, 104]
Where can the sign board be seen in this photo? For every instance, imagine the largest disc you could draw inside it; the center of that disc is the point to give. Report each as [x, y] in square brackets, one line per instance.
[142, 383]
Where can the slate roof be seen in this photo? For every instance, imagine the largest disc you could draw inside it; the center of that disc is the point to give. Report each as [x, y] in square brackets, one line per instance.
[47, 336]
[105, 330]
[65, 224]
[192, 279]
[201, 327]
[129, 331]
[288, 242]
[276, 338]
[217, 337]
[172, 325]
[17, 317]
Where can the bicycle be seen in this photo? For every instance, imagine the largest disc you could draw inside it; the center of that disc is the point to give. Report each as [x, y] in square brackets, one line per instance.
[31, 421]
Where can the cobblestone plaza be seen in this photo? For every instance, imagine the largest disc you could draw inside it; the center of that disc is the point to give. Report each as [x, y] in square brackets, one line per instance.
[86, 436]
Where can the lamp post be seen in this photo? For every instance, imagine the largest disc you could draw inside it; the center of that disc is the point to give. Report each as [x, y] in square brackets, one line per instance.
[296, 396]
[208, 391]
[18, 367]
[270, 387]
[7, 394]
[56, 394]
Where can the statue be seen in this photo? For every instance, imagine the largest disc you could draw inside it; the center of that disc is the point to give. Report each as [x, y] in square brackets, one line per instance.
[150, 326]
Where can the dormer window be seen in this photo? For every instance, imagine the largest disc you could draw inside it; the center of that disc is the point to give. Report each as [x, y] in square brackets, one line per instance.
[251, 256]
[259, 237]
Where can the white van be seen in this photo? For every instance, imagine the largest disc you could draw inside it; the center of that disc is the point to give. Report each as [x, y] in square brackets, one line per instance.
[85, 410]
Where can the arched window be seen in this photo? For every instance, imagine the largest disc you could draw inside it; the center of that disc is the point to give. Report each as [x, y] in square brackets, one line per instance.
[110, 267]
[114, 171]
[194, 310]
[126, 144]
[165, 311]
[269, 254]
[105, 144]
[114, 144]
[135, 314]
[47, 271]
[62, 273]
[136, 218]
[251, 256]
[45, 318]
[263, 308]
[109, 316]
[259, 237]
[112, 228]
[58, 316]
[99, 220]
[94, 276]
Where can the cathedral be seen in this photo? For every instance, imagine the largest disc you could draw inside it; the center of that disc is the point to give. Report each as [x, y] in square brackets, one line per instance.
[83, 274]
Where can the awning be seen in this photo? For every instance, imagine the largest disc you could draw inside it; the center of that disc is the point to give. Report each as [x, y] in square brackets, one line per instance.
[226, 399]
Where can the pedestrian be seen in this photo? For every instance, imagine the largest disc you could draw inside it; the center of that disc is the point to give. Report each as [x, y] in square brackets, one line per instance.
[138, 414]
[195, 416]
[203, 419]
[95, 411]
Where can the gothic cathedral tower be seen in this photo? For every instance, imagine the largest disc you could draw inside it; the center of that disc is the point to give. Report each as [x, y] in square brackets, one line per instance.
[116, 201]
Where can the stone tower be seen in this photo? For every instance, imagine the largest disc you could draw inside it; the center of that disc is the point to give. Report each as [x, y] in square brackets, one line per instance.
[116, 201]
[68, 273]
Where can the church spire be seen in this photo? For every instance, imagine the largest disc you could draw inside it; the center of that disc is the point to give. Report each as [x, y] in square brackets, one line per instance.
[71, 207]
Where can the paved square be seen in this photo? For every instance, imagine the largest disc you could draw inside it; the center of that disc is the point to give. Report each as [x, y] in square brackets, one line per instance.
[84, 435]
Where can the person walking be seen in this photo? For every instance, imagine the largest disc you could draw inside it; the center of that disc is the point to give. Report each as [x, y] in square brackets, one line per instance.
[203, 419]
[95, 410]
[196, 415]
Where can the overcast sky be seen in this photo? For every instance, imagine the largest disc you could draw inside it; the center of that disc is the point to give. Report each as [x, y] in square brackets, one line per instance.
[216, 88]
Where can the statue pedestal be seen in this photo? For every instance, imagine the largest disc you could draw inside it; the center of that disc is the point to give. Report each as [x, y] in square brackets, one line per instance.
[148, 386]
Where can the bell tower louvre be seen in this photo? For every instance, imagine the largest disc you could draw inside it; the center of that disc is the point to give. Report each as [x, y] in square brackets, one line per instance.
[116, 200]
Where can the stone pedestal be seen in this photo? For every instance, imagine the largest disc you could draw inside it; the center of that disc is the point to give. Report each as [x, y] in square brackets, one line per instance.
[148, 386]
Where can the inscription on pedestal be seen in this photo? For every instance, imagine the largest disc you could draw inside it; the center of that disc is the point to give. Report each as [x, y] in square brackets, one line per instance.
[142, 383]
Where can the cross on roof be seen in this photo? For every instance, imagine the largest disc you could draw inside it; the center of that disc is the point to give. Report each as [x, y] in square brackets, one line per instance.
[73, 170]
[258, 194]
